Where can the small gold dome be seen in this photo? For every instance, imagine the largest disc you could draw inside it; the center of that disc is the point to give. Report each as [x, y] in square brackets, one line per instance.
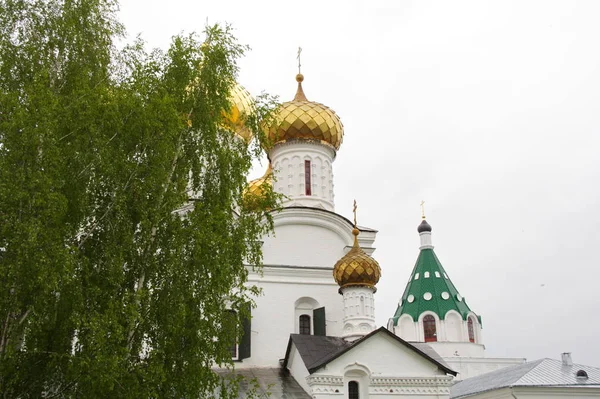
[303, 119]
[242, 105]
[356, 268]
[256, 186]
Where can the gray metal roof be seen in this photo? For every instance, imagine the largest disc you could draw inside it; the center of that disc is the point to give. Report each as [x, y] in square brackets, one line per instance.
[429, 351]
[272, 383]
[314, 349]
[538, 373]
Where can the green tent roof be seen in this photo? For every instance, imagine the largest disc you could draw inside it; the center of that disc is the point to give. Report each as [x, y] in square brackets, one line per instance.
[430, 289]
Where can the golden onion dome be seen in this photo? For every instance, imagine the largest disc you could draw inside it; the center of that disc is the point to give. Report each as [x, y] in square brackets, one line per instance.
[242, 105]
[356, 268]
[303, 119]
[256, 186]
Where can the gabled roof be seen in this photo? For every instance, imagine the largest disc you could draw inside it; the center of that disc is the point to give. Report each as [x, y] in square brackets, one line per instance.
[430, 289]
[314, 348]
[317, 351]
[538, 373]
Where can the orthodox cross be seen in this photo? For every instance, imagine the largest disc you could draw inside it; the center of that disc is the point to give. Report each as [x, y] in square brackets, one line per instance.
[423, 209]
[354, 210]
[298, 57]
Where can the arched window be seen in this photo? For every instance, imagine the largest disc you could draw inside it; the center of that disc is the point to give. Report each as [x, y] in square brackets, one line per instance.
[353, 390]
[471, 330]
[304, 324]
[429, 328]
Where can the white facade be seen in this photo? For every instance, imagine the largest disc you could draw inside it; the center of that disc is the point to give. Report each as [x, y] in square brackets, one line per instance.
[297, 278]
[382, 367]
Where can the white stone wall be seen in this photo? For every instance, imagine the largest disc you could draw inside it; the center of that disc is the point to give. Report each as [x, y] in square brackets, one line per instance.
[453, 345]
[289, 172]
[309, 237]
[297, 278]
[276, 314]
[453, 328]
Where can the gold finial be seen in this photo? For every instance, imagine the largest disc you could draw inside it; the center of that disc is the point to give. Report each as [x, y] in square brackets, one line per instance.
[299, 78]
[423, 209]
[355, 229]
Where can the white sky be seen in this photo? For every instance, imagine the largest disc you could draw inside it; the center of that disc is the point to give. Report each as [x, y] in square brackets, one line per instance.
[487, 110]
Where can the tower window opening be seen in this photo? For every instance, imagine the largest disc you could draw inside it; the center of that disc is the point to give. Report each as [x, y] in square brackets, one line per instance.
[307, 178]
[429, 328]
[353, 390]
[304, 323]
[471, 329]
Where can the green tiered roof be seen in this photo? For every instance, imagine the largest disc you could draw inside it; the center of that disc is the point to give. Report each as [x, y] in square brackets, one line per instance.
[430, 289]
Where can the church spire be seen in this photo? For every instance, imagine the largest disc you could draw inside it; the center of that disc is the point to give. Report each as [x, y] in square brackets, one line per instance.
[424, 230]
[429, 298]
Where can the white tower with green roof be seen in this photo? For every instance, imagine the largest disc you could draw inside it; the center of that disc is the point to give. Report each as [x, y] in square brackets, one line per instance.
[432, 310]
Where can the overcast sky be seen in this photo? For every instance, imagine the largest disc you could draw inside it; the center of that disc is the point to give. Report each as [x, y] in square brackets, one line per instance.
[487, 110]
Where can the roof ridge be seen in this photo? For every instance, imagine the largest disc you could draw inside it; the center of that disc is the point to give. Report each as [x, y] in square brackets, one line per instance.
[572, 365]
[537, 362]
[373, 333]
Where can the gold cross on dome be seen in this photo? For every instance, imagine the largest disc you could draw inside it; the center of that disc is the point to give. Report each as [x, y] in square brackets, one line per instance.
[354, 211]
[423, 209]
[298, 57]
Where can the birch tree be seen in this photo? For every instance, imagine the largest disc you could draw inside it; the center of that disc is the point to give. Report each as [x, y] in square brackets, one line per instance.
[114, 282]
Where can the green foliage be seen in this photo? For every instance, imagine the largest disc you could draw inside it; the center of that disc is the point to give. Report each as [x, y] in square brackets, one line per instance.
[123, 234]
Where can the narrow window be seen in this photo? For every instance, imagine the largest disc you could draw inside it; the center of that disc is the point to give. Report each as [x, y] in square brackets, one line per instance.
[307, 173]
[353, 390]
[471, 330]
[305, 324]
[429, 328]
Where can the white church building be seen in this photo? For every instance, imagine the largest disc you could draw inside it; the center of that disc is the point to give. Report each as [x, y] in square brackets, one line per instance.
[313, 332]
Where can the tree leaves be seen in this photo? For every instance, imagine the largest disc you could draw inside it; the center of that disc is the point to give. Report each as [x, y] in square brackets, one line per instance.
[123, 234]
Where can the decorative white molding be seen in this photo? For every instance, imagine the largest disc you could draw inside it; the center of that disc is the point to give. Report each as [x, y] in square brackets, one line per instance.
[438, 381]
[334, 380]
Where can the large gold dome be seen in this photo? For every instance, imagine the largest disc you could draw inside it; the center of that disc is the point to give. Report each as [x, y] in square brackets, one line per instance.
[356, 268]
[242, 105]
[303, 119]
